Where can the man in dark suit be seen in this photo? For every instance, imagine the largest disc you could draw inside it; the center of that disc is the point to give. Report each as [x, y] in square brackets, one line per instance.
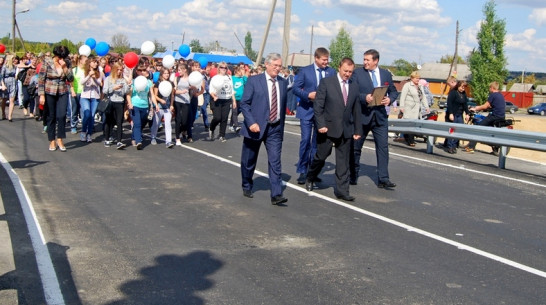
[263, 106]
[305, 87]
[374, 118]
[337, 115]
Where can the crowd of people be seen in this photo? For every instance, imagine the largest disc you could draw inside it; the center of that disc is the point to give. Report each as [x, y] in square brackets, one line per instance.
[335, 108]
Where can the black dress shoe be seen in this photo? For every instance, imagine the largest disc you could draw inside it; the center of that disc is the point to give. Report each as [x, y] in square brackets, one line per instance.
[278, 200]
[302, 178]
[248, 193]
[345, 197]
[309, 185]
[386, 184]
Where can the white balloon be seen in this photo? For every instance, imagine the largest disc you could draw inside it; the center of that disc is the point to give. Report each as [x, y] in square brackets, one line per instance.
[85, 50]
[140, 83]
[165, 88]
[168, 61]
[195, 79]
[147, 48]
[217, 82]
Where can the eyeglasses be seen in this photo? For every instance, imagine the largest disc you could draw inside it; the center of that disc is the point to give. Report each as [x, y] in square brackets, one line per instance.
[222, 67]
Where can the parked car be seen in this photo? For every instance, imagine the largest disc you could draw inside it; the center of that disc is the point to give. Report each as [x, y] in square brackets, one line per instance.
[537, 109]
[510, 107]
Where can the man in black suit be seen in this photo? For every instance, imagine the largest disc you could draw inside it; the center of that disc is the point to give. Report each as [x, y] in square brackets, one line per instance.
[374, 119]
[337, 115]
[263, 107]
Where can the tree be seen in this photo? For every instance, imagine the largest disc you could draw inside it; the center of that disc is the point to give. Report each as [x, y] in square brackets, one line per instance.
[448, 59]
[487, 62]
[120, 43]
[159, 47]
[403, 67]
[251, 54]
[196, 46]
[340, 47]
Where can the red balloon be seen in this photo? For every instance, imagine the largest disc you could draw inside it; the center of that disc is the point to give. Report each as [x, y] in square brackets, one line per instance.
[130, 59]
[2, 48]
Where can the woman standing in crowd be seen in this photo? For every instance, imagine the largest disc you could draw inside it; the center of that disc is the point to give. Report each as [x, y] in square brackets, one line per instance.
[9, 84]
[239, 80]
[195, 92]
[164, 109]
[457, 103]
[89, 100]
[181, 103]
[53, 91]
[115, 88]
[28, 100]
[411, 101]
[222, 98]
[76, 90]
[137, 102]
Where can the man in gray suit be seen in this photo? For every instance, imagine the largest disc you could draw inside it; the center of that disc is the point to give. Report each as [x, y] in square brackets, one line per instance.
[337, 115]
[374, 118]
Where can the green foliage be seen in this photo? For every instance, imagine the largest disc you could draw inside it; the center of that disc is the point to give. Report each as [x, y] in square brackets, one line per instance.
[340, 47]
[196, 46]
[250, 53]
[402, 67]
[159, 47]
[487, 62]
[448, 59]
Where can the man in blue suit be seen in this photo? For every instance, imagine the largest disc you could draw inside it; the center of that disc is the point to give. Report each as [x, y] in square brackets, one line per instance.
[374, 118]
[263, 106]
[305, 87]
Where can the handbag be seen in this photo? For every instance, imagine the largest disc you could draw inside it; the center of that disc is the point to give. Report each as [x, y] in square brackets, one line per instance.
[104, 105]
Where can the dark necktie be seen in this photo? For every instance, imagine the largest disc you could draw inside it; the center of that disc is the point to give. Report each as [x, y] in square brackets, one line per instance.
[273, 110]
[344, 86]
[319, 75]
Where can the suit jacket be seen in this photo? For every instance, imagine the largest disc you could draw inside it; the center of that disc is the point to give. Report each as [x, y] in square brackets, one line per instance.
[362, 77]
[255, 104]
[305, 83]
[331, 112]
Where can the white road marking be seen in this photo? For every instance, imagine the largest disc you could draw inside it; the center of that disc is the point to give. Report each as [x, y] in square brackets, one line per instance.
[459, 167]
[409, 228]
[52, 290]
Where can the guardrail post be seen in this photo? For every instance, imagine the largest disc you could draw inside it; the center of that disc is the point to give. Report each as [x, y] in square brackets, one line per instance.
[430, 144]
[503, 151]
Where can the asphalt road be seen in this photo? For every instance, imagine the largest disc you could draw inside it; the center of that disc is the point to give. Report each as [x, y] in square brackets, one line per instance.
[162, 226]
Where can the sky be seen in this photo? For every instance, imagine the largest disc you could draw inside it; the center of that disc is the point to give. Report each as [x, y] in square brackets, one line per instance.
[418, 31]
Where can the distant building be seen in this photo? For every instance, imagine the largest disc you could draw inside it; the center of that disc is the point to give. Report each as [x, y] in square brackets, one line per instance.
[522, 87]
[541, 89]
[437, 73]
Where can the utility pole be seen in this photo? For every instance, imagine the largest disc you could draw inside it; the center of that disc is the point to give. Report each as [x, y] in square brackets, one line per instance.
[454, 61]
[286, 32]
[13, 27]
[311, 46]
[261, 53]
[244, 50]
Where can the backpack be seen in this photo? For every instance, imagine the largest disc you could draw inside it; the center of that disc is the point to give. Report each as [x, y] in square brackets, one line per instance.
[31, 89]
[22, 75]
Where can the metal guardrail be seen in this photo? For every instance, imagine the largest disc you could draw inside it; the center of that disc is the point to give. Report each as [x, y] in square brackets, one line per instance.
[502, 137]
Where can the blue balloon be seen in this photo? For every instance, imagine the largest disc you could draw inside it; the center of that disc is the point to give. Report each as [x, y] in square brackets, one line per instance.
[91, 43]
[184, 50]
[203, 61]
[102, 48]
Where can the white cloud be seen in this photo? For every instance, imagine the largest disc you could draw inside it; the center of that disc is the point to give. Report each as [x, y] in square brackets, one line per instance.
[538, 16]
[70, 8]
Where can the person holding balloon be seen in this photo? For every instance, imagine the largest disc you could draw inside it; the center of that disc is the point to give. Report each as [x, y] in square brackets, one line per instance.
[137, 102]
[221, 91]
[89, 99]
[76, 90]
[53, 92]
[116, 88]
[164, 94]
[182, 104]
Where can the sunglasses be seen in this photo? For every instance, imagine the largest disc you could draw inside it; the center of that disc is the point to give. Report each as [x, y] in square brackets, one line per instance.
[141, 70]
[222, 67]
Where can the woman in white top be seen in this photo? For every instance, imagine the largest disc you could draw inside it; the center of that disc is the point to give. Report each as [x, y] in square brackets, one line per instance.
[89, 100]
[222, 99]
